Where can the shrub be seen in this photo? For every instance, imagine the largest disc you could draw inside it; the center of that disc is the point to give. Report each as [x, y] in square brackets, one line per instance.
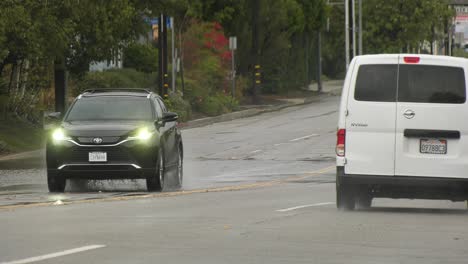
[218, 104]
[175, 103]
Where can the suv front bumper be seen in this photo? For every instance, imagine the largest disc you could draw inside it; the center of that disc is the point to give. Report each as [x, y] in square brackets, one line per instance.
[126, 161]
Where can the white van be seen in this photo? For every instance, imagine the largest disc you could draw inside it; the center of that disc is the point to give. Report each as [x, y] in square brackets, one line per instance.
[403, 129]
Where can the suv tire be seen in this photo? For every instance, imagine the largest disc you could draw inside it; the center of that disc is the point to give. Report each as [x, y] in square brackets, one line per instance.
[180, 168]
[55, 182]
[155, 181]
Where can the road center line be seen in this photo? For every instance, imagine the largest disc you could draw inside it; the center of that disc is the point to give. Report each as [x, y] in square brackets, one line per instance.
[55, 255]
[255, 151]
[303, 206]
[304, 137]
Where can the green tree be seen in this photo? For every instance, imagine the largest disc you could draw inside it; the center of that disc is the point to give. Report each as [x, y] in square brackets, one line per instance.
[402, 26]
[142, 57]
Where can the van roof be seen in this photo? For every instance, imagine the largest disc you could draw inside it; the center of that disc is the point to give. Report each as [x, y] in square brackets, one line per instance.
[432, 57]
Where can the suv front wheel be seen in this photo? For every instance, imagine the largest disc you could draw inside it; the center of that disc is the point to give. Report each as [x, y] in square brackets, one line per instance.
[155, 181]
[55, 182]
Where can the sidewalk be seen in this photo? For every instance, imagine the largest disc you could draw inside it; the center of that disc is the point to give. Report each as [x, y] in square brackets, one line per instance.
[329, 88]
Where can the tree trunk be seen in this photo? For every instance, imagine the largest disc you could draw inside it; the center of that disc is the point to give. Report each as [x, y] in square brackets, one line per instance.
[24, 79]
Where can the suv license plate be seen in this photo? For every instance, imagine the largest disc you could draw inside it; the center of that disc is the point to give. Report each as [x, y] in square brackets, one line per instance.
[97, 156]
[433, 146]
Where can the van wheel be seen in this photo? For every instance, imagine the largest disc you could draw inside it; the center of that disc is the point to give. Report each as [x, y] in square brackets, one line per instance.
[345, 197]
[364, 201]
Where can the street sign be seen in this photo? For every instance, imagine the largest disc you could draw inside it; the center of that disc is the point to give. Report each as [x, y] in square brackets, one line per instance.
[169, 21]
[232, 43]
[154, 21]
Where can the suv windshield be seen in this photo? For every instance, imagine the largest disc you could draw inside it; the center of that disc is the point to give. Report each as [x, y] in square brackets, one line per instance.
[111, 108]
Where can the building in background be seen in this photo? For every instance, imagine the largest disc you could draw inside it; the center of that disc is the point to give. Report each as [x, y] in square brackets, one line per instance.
[460, 36]
[115, 63]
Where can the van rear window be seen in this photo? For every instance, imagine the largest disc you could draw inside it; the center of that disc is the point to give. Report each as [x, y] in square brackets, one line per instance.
[376, 82]
[431, 84]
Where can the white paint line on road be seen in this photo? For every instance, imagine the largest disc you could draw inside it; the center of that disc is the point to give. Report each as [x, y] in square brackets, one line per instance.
[304, 137]
[256, 151]
[303, 206]
[55, 255]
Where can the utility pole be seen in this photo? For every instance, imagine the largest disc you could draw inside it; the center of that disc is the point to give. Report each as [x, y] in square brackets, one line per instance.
[174, 57]
[353, 28]
[165, 57]
[255, 51]
[60, 85]
[319, 61]
[361, 31]
[160, 57]
[233, 47]
[347, 32]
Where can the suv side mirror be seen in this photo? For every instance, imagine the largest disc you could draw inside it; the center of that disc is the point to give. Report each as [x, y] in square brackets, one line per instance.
[169, 117]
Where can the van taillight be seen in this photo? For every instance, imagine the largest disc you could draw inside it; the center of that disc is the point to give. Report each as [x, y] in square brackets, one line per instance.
[340, 142]
[411, 59]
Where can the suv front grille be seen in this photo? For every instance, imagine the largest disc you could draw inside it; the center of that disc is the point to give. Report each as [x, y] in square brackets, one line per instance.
[105, 140]
[81, 155]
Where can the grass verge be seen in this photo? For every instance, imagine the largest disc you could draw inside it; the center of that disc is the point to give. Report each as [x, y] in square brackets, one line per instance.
[18, 136]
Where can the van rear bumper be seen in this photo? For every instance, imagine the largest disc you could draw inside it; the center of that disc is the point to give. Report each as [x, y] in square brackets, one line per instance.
[412, 187]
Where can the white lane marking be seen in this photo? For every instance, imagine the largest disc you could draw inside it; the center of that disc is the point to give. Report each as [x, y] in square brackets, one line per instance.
[256, 151]
[304, 137]
[303, 206]
[55, 255]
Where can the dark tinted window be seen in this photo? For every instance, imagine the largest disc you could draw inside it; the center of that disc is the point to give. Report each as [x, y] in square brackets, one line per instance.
[376, 82]
[111, 108]
[431, 84]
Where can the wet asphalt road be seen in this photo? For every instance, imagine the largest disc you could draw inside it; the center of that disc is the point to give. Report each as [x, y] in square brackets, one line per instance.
[270, 199]
[271, 146]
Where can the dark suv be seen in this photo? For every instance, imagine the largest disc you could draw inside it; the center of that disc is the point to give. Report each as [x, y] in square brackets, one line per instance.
[116, 134]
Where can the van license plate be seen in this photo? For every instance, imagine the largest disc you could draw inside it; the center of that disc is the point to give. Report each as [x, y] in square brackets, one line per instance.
[433, 146]
[97, 156]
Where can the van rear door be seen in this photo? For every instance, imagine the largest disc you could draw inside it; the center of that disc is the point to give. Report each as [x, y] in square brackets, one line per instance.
[432, 117]
[371, 109]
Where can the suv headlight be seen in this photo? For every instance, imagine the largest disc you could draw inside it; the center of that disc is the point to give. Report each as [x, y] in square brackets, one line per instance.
[59, 135]
[142, 134]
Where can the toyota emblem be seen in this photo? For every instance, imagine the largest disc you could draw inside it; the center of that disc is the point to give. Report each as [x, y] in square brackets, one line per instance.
[97, 140]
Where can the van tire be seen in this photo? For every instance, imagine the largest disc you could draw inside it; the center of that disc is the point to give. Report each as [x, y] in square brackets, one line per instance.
[364, 201]
[345, 197]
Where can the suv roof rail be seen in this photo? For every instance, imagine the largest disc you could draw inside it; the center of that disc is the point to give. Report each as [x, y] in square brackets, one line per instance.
[132, 90]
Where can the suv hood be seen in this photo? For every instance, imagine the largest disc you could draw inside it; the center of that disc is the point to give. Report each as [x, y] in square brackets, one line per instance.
[100, 128]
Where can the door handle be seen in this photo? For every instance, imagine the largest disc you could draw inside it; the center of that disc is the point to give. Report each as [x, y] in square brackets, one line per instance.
[409, 114]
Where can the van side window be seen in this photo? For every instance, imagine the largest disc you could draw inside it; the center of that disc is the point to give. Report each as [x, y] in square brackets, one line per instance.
[431, 84]
[376, 82]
